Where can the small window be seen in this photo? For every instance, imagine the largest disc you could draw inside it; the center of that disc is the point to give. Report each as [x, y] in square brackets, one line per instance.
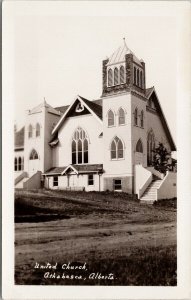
[117, 185]
[135, 117]
[15, 164]
[55, 181]
[30, 131]
[33, 155]
[135, 75]
[37, 130]
[142, 119]
[121, 116]
[110, 118]
[122, 74]
[110, 77]
[141, 79]
[116, 76]
[117, 149]
[138, 77]
[91, 179]
[20, 164]
[139, 146]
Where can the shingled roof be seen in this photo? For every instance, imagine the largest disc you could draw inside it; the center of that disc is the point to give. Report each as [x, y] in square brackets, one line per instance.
[19, 138]
[97, 109]
[80, 169]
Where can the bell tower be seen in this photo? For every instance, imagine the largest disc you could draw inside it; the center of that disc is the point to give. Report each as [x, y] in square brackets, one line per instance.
[123, 72]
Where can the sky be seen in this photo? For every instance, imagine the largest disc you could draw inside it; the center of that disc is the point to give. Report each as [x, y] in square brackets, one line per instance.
[58, 56]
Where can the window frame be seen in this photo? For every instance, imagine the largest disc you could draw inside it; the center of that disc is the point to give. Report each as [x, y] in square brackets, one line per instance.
[121, 74]
[110, 77]
[91, 180]
[30, 131]
[117, 184]
[121, 124]
[55, 181]
[116, 141]
[116, 76]
[136, 117]
[139, 146]
[113, 123]
[80, 138]
[37, 130]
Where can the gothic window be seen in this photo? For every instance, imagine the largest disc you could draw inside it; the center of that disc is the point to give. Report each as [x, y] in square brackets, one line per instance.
[110, 77]
[33, 155]
[19, 163]
[15, 163]
[110, 118]
[135, 75]
[121, 116]
[142, 119]
[135, 117]
[150, 147]
[138, 77]
[141, 79]
[30, 131]
[122, 74]
[37, 129]
[116, 76]
[117, 150]
[139, 146]
[79, 147]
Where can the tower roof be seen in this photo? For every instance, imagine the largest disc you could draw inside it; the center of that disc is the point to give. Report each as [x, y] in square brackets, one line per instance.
[119, 55]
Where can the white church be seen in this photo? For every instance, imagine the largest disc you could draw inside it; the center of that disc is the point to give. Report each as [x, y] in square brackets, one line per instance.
[99, 145]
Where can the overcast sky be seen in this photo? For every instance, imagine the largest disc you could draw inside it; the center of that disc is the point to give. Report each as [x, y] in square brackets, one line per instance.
[58, 56]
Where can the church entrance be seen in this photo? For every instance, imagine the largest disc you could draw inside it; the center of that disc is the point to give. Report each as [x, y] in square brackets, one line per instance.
[34, 162]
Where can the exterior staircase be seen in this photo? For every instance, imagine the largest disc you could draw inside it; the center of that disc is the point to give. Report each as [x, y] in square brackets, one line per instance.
[150, 194]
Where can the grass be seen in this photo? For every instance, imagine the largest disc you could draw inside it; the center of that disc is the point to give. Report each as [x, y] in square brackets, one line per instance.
[111, 232]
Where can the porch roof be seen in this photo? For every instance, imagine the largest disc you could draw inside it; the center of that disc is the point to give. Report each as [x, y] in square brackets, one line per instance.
[80, 169]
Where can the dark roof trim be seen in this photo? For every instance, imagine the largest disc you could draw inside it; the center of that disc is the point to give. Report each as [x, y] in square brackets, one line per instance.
[163, 120]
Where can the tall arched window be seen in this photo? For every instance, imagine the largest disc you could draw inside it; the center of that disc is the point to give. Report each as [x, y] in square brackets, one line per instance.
[141, 79]
[30, 131]
[135, 117]
[117, 150]
[122, 74]
[79, 147]
[150, 147]
[121, 114]
[37, 129]
[20, 164]
[116, 76]
[138, 77]
[15, 163]
[135, 75]
[139, 146]
[33, 155]
[110, 118]
[110, 77]
[142, 119]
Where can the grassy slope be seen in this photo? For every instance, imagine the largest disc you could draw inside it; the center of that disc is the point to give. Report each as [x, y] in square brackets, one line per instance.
[113, 233]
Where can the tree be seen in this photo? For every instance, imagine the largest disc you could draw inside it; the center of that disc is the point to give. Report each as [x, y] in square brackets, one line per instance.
[161, 160]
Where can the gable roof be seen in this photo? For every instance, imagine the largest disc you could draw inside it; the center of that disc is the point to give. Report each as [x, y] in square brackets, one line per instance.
[149, 93]
[94, 109]
[19, 138]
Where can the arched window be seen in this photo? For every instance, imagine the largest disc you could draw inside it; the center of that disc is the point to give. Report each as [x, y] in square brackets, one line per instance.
[141, 79]
[122, 74]
[135, 117]
[121, 116]
[33, 155]
[79, 147]
[37, 129]
[19, 164]
[110, 77]
[116, 76]
[15, 163]
[139, 146]
[117, 150]
[142, 119]
[150, 147]
[135, 75]
[30, 131]
[110, 118]
[138, 77]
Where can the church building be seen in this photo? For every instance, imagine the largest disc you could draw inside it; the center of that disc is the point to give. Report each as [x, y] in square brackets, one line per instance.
[99, 145]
